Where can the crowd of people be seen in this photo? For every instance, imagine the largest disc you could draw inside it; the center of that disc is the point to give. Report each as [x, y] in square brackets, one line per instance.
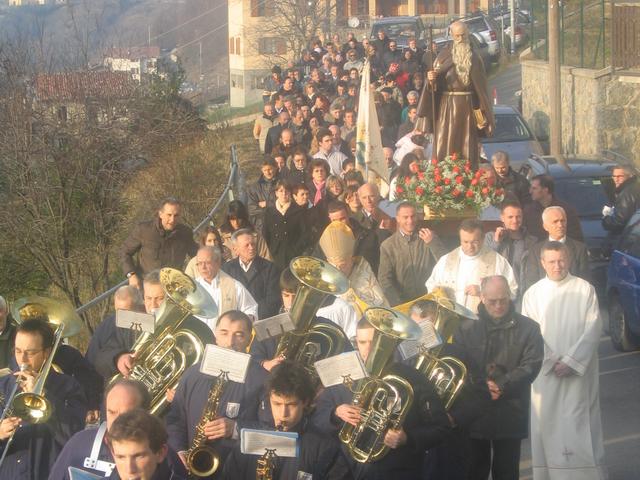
[529, 318]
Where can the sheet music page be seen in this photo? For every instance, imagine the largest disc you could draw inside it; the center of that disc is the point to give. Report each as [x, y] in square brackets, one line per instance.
[256, 442]
[217, 359]
[334, 370]
[137, 321]
[79, 474]
[273, 326]
[430, 339]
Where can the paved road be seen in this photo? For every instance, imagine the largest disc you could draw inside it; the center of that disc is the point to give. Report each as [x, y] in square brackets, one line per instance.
[507, 82]
[620, 406]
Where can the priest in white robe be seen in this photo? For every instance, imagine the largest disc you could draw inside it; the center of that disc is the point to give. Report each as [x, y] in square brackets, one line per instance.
[460, 271]
[566, 432]
[226, 291]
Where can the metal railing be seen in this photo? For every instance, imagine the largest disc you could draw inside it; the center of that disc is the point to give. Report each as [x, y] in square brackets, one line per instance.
[585, 38]
[625, 44]
[235, 179]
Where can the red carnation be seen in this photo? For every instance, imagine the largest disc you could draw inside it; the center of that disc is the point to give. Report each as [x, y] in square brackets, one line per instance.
[414, 168]
[447, 181]
[467, 164]
[456, 169]
[478, 174]
[469, 194]
[467, 169]
[434, 161]
[455, 192]
[474, 181]
[438, 178]
[407, 180]
[399, 189]
[419, 190]
[438, 190]
[436, 171]
[458, 179]
[421, 175]
[485, 191]
[454, 156]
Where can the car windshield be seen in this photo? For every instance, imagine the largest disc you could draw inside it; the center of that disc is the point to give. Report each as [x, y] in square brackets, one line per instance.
[395, 30]
[509, 128]
[588, 192]
[476, 25]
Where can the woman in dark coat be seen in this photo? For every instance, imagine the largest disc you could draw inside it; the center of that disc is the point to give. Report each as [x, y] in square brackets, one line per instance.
[283, 227]
[237, 218]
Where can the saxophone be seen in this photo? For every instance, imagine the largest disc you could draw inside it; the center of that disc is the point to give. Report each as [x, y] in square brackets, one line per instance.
[202, 460]
[265, 465]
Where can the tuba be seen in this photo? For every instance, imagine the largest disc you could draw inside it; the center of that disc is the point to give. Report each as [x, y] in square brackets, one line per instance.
[33, 407]
[306, 344]
[446, 374]
[162, 357]
[385, 399]
[202, 460]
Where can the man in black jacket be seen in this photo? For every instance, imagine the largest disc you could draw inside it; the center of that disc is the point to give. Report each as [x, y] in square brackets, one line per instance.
[261, 277]
[510, 347]
[233, 331]
[161, 242]
[513, 183]
[627, 199]
[425, 426]
[290, 393]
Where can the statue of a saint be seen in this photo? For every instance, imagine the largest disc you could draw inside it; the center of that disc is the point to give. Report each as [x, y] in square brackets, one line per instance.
[456, 93]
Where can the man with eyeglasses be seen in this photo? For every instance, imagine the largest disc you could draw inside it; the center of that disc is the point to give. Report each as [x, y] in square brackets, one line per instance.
[227, 292]
[627, 199]
[35, 447]
[460, 271]
[510, 348]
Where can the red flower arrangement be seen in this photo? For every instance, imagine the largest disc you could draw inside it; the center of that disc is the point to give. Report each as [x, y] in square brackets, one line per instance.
[449, 185]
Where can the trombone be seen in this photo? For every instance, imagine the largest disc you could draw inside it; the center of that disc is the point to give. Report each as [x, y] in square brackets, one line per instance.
[33, 407]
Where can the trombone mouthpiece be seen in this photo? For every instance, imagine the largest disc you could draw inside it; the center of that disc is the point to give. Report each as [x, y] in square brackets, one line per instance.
[23, 367]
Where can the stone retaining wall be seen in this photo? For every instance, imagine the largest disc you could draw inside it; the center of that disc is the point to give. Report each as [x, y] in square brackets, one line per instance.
[600, 108]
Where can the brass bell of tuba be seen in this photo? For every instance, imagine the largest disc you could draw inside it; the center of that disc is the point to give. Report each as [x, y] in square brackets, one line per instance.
[306, 344]
[446, 374]
[162, 357]
[385, 400]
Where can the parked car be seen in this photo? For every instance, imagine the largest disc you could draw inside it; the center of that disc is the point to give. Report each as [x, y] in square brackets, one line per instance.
[401, 29]
[477, 44]
[512, 135]
[521, 34]
[488, 30]
[623, 288]
[587, 185]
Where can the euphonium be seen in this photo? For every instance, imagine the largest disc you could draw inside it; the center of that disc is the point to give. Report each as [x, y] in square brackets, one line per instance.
[33, 407]
[305, 343]
[385, 400]
[202, 460]
[446, 374]
[265, 465]
[161, 358]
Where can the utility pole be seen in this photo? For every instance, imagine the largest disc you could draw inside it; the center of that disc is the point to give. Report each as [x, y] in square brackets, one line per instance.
[148, 34]
[512, 11]
[555, 105]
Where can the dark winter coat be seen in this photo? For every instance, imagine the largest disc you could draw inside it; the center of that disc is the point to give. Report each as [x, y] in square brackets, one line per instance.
[515, 345]
[626, 204]
[157, 247]
[285, 234]
[263, 282]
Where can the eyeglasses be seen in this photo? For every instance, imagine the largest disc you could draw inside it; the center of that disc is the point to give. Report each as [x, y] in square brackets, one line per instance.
[28, 353]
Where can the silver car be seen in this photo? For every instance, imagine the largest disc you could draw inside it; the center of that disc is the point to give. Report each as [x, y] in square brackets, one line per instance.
[511, 135]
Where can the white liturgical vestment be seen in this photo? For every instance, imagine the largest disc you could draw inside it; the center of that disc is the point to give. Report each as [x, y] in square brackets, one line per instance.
[566, 433]
[456, 270]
